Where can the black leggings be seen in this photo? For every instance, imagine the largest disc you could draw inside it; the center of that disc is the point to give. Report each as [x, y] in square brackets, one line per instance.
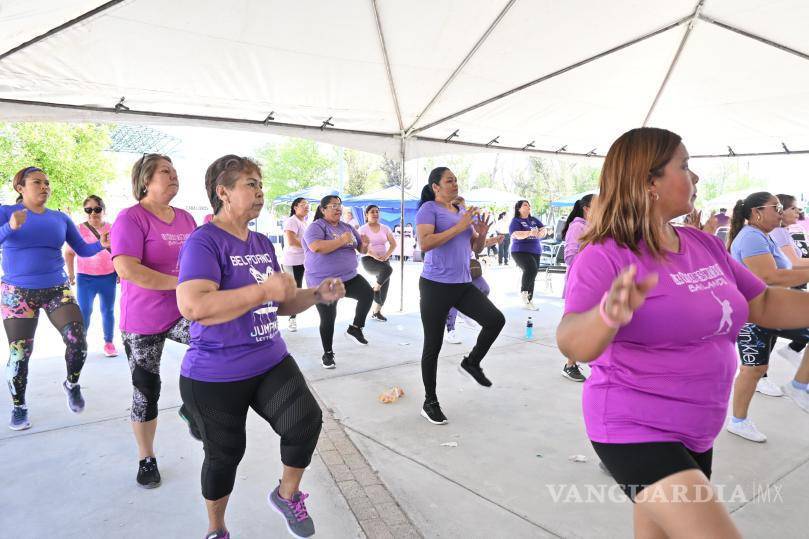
[529, 264]
[20, 309]
[382, 271]
[219, 409]
[436, 301]
[297, 272]
[356, 288]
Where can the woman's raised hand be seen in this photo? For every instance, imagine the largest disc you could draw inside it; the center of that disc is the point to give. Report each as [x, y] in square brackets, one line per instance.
[625, 296]
[18, 219]
[279, 287]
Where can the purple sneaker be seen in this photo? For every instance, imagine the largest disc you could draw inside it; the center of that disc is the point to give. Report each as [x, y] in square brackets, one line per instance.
[299, 523]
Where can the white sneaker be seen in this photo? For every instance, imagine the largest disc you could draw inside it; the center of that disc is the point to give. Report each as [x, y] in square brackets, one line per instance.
[766, 387]
[747, 430]
[293, 325]
[790, 355]
[527, 303]
[452, 337]
[800, 396]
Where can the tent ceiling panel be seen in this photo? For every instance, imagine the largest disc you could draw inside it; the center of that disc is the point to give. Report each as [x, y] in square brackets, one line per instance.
[586, 109]
[306, 61]
[538, 38]
[23, 20]
[750, 96]
[782, 21]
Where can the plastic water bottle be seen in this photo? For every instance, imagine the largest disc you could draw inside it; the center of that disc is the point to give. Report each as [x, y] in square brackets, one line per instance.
[529, 329]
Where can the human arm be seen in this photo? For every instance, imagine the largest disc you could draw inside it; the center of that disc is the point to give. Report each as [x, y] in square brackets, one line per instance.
[291, 239]
[764, 267]
[130, 268]
[797, 262]
[70, 259]
[391, 245]
[780, 308]
[315, 238]
[429, 239]
[81, 247]
[11, 221]
[328, 291]
[480, 226]
[361, 242]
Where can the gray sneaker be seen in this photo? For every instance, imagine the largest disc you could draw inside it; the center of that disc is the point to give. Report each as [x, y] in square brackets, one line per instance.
[299, 523]
[19, 418]
[75, 402]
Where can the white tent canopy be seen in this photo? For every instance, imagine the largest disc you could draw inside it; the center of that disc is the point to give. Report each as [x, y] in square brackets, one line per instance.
[393, 77]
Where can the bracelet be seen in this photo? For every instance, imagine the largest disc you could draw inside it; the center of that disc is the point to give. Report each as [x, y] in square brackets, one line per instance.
[602, 310]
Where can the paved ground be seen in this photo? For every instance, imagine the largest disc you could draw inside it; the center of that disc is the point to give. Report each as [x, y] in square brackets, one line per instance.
[509, 476]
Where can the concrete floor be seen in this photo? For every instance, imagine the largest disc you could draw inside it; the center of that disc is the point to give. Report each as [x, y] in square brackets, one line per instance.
[509, 476]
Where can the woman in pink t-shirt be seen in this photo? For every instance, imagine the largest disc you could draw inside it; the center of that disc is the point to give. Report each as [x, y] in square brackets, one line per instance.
[294, 227]
[661, 308]
[96, 275]
[377, 261]
[146, 242]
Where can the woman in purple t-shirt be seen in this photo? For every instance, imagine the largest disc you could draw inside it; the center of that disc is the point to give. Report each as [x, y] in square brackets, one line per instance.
[658, 391]
[381, 245]
[448, 235]
[232, 289]
[146, 241]
[330, 249]
[294, 227]
[526, 231]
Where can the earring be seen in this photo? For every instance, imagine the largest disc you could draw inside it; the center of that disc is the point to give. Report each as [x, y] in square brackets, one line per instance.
[655, 196]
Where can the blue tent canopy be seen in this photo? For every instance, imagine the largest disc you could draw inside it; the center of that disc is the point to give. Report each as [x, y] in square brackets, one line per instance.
[569, 201]
[389, 201]
[312, 194]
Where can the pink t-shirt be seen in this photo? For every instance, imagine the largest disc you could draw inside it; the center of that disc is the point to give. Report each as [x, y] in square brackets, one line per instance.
[140, 234]
[667, 375]
[293, 256]
[378, 240]
[100, 264]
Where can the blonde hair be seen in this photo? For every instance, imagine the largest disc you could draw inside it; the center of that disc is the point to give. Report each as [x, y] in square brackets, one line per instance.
[624, 209]
[142, 172]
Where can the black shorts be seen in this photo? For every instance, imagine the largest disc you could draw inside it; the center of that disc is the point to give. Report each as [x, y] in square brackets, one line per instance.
[756, 343]
[636, 466]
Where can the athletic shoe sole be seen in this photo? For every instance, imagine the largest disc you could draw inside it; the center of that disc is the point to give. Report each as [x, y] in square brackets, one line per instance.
[327, 366]
[277, 510]
[425, 416]
[354, 339]
[110, 355]
[470, 377]
[149, 486]
[566, 375]
[67, 394]
[746, 438]
[21, 427]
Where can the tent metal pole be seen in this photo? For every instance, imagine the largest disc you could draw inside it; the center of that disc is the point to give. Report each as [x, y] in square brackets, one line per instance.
[193, 117]
[751, 35]
[520, 149]
[463, 63]
[552, 75]
[402, 227]
[750, 154]
[53, 31]
[385, 57]
[674, 61]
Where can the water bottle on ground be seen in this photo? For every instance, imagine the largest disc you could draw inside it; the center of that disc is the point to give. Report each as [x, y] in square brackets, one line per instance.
[529, 329]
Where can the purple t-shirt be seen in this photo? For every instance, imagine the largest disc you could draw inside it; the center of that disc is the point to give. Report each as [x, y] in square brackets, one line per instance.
[667, 375]
[448, 263]
[340, 263]
[575, 230]
[140, 234]
[250, 344]
[528, 245]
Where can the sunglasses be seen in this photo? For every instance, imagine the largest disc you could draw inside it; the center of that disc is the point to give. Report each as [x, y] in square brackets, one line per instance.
[779, 208]
[97, 209]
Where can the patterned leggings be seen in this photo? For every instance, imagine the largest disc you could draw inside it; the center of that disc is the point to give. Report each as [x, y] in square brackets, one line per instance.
[20, 310]
[144, 353]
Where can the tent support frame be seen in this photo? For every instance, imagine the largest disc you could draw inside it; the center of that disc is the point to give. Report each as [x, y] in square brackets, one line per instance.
[753, 36]
[386, 58]
[53, 31]
[402, 227]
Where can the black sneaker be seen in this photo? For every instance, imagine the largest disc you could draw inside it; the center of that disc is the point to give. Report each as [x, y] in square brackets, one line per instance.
[475, 372]
[379, 317]
[572, 372]
[75, 402]
[148, 474]
[328, 360]
[192, 427]
[431, 411]
[355, 333]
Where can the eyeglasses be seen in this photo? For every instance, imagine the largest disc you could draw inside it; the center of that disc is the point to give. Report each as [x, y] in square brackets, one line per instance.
[779, 208]
[97, 209]
[334, 206]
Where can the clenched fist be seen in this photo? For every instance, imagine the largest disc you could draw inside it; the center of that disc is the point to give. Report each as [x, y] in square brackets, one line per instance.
[18, 219]
[279, 287]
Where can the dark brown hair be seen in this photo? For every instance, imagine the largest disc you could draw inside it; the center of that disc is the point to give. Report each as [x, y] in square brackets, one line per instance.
[743, 210]
[97, 200]
[225, 171]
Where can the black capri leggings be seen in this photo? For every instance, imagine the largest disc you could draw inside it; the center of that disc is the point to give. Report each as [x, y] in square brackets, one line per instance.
[297, 272]
[382, 271]
[219, 409]
[356, 288]
[436, 301]
[636, 466]
[529, 264]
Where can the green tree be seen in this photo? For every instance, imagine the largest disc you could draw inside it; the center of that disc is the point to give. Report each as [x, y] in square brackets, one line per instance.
[72, 155]
[293, 165]
[363, 172]
[393, 173]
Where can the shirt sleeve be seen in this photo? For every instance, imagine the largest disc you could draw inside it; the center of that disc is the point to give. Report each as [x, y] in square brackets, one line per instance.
[591, 276]
[538, 223]
[781, 237]
[425, 215]
[77, 243]
[289, 225]
[748, 283]
[754, 245]
[127, 237]
[514, 226]
[314, 232]
[5, 226]
[199, 260]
